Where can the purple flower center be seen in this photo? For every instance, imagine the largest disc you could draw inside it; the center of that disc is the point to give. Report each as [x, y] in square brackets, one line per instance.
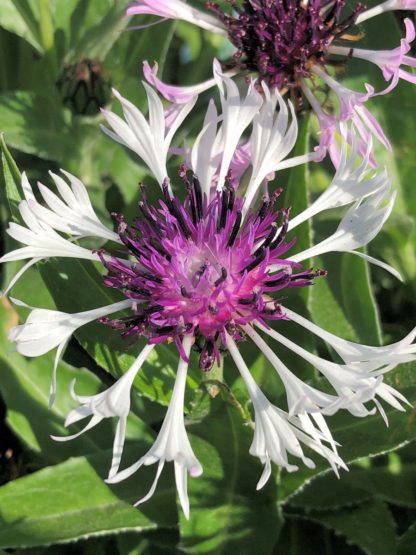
[200, 268]
[282, 39]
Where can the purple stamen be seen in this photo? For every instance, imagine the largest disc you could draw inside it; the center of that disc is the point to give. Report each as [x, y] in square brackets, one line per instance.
[201, 269]
[282, 39]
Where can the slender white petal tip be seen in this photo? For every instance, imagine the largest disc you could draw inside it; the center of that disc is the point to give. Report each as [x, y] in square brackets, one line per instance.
[149, 138]
[114, 402]
[276, 436]
[172, 443]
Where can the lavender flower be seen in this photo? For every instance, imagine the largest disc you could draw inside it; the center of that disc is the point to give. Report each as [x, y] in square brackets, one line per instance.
[209, 272]
[291, 45]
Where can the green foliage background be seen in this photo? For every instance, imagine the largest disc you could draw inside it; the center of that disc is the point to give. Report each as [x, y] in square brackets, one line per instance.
[53, 499]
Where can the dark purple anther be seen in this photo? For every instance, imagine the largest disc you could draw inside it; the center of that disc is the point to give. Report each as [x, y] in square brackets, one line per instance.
[200, 268]
[282, 39]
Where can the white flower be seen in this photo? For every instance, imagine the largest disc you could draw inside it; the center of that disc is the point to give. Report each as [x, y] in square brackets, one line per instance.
[276, 435]
[358, 227]
[172, 443]
[272, 140]
[45, 330]
[237, 115]
[150, 140]
[72, 213]
[115, 401]
[353, 180]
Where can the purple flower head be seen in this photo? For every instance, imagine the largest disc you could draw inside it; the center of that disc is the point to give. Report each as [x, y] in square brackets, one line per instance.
[281, 40]
[201, 270]
[291, 45]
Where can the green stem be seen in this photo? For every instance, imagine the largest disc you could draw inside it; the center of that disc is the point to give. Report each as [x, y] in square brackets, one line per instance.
[47, 35]
[214, 379]
[214, 384]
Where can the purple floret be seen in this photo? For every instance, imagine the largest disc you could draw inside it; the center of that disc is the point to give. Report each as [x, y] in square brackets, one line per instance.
[201, 269]
[282, 39]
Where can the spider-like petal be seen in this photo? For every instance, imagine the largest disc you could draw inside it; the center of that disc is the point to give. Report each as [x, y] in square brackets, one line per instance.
[176, 9]
[172, 443]
[114, 402]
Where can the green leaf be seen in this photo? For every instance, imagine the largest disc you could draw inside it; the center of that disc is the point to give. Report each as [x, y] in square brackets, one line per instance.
[20, 17]
[296, 192]
[407, 542]
[304, 537]
[370, 526]
[22, 117]
[358, 299]
[362, 437]
[99, 37]
[12, 180]
[25, 390]
[71, 501]
[343, 302]
[226, 510]
[158, 542]
[327, 491]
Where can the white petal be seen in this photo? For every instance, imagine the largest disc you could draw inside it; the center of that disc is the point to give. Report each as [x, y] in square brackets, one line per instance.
[73, 212]
[275, 436]
[181, 486]
[351, 182]
[271, 140]
[357, 228]
[172, 443]
[93, 422]
[181, 114]
[19, 274]
[353, 352]
[118, 446]
[237, 116]
[379, 263]
[153, 487]
[264, 478]
[27, 189]
[149, 140]
[300, 396]
[115, 401]
[46, 329]
[176, 9]
[52, 389]
[205, 155]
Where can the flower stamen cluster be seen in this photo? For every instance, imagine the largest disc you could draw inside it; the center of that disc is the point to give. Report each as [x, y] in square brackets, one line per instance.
[283, 39]
[200, 270]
